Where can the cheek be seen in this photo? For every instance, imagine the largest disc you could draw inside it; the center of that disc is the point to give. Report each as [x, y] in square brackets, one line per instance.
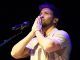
[48, 18]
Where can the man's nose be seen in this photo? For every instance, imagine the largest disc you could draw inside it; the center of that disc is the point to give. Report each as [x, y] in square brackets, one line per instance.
[42, 16]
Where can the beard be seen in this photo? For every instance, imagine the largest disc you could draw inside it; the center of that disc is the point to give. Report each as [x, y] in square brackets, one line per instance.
[45, 23]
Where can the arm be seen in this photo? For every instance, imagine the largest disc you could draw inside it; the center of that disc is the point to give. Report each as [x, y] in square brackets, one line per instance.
[19, 50]
[45, 43]
[52, 43]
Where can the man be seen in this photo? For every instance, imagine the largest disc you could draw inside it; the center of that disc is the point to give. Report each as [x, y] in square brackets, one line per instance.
[45, 41]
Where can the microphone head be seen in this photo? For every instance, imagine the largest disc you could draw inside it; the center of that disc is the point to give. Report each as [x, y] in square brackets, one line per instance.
[25, 24]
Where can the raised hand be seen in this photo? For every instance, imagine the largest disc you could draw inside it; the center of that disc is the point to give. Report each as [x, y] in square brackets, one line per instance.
[37, 24]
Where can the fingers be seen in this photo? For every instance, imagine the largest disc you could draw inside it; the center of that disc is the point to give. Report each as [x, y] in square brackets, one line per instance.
[38, 21]
[37, 24]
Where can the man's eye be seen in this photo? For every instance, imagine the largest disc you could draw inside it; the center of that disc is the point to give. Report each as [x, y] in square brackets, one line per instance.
[46, 13]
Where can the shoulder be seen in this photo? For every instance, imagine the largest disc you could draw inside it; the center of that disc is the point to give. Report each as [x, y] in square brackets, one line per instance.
[62, 33]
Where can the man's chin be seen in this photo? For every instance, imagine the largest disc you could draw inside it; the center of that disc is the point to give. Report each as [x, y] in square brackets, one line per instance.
[44, 25]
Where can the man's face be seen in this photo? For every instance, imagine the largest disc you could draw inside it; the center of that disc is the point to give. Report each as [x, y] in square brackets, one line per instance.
[47, 16]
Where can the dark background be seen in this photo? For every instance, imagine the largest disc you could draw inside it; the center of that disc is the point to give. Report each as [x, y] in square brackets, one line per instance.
[16, 12]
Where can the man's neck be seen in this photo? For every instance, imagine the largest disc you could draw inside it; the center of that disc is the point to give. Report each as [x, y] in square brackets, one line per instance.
[48, 29]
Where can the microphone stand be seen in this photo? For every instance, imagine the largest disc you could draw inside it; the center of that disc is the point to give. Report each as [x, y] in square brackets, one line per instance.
[6, 41]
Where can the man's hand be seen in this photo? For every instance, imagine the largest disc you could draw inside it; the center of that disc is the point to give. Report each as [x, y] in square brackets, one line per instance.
[37, 24]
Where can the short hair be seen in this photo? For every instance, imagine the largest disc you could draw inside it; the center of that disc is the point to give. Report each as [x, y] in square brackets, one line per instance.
[50, 6]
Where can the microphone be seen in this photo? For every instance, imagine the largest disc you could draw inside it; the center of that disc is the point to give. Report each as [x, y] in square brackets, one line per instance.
[25, 24]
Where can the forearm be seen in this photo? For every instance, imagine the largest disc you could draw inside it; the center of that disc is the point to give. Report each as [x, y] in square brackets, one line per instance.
[40, 37]
[46, 43]
[20, 46]
[43, 41]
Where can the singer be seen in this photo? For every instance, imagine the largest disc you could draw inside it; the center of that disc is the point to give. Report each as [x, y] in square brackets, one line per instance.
[45, 41]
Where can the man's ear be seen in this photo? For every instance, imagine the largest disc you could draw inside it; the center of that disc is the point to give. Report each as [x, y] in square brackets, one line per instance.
[55, 20]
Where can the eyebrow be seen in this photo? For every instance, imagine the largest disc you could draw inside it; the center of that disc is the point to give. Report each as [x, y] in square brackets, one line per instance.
[46, 11]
